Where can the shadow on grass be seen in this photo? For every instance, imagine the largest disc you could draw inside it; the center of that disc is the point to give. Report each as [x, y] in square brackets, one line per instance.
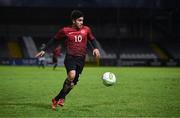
[91, 107]
[37, 105]
[46, 106]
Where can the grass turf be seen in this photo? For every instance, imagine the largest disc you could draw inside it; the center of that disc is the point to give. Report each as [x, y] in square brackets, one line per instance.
[139, 92]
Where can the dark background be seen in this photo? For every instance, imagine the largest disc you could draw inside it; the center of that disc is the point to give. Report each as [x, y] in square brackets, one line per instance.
[120, 26]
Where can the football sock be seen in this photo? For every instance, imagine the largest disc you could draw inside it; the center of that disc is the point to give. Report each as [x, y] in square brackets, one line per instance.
[67, 86]
[72, 84]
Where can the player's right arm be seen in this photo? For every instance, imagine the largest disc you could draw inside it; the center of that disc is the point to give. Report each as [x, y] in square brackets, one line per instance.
[45, 47]
[53, 42]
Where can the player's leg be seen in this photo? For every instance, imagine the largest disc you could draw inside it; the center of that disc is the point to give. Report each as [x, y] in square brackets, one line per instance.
[55, 65]
[79, 62]
[67, 86]
[54, 62]
[79, 70]
[74, 78]
[73, 75]
[73, 83]
[41, 63]
[44, 63]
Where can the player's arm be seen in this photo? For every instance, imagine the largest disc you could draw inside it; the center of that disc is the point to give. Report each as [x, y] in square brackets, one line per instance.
[93, 43]
[95, 48]
[52, 42]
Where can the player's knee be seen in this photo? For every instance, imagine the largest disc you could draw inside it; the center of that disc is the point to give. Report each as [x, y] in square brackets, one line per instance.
[71, 75]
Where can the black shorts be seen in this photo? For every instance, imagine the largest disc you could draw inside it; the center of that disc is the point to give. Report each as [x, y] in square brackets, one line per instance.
[74, 63]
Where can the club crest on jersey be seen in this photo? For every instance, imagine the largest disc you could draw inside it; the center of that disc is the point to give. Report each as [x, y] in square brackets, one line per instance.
[82, 31]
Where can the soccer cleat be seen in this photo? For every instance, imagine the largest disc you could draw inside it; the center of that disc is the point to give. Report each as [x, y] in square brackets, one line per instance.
[61, 102]
[54, 105]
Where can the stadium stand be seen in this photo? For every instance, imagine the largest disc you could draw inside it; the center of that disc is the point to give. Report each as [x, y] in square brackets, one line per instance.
[14, 49]
[30, 46]
[159, 51]
[3, 49]
[136, 50]
[23, 48]
[172, 48]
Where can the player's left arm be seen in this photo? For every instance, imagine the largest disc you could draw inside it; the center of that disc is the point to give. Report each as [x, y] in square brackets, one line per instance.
[95, 50]
[93, 42]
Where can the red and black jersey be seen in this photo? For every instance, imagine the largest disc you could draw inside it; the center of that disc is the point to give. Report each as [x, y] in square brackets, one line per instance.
[76, 40]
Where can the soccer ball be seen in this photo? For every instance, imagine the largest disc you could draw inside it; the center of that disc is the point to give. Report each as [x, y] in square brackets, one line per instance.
[109, 78]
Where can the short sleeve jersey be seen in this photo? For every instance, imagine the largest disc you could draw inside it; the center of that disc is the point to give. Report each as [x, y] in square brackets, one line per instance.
[76, 40]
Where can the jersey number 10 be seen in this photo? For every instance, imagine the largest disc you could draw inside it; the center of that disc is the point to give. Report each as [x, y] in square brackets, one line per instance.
[78, 38]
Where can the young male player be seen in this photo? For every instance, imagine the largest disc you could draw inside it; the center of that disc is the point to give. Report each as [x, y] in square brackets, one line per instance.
[76, 37]
[41, 59]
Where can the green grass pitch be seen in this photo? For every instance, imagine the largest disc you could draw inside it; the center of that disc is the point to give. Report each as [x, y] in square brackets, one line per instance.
[139, 92]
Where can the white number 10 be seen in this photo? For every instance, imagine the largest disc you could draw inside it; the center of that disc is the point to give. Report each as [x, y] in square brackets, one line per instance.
[78, 38]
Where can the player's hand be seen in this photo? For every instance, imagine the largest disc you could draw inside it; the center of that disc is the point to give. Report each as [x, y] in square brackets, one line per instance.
[40, 54]
[96, 53]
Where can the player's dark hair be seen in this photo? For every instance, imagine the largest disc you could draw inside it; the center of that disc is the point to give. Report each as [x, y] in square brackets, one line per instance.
[76, 14]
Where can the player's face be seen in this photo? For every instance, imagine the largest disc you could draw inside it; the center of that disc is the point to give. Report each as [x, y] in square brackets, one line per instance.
[79, 22]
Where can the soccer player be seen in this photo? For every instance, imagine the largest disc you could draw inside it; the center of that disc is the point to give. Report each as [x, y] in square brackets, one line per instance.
[76, 37]
[41, 59]
[41, 62]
